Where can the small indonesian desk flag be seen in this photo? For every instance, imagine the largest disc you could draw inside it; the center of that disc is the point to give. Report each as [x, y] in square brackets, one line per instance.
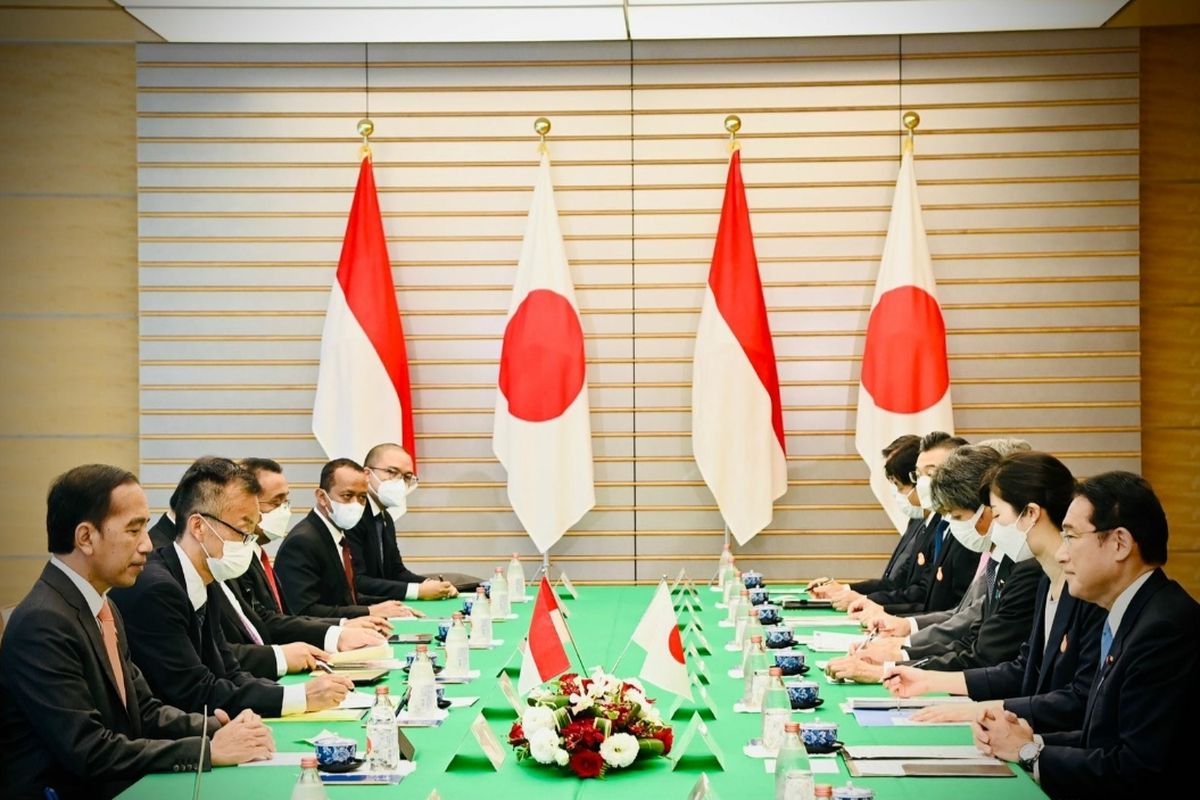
[905, 383]
[542, 432]
[363, 395]
[737, 419]
[658, 635]
[545, 655]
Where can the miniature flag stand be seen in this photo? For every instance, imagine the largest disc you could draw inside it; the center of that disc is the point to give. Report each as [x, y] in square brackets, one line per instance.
[701, 704]
[466, 757]
[712, 755]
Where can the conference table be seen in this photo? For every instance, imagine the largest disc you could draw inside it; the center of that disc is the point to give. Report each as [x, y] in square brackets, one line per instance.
[601, 619]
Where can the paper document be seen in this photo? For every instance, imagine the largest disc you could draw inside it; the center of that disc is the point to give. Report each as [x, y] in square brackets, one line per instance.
[908, 751]
[826, 642]
[376, 653]
[278, 760]
[831, 621]
[357, 700]
[891, 717]
[880, 703]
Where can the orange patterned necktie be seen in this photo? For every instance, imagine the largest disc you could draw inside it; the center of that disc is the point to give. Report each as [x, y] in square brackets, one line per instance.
[108, 629]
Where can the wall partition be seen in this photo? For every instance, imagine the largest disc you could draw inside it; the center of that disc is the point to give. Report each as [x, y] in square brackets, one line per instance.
[1027, 157]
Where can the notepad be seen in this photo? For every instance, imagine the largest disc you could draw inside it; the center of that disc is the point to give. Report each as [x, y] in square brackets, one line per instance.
[328, 715]
[379, 652]
[826, 642]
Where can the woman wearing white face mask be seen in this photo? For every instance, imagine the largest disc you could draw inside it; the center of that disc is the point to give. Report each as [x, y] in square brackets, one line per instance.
[1050, 678]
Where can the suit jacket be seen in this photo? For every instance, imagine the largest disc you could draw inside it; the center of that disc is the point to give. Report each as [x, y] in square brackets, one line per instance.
[944, 578]
[1005, 622]
[379, 571]
[901, 569]
[258, 603]
[311, 577]
[939, 629]
[911, 597]
[62, 722]
[1048, 682]
[186, 659]
[1133, 737]
[162, 533]
[257, 659]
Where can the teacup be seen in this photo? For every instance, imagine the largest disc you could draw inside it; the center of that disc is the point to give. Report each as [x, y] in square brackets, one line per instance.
[819, 736]
[803, 694]
[752, 580]
[411, 657]
[758, 596]
[336, 751]
[790, 663]
[852, 792]
[769, 614]
[442, 631]
[468, 602]
[779, 637]
[487, 589]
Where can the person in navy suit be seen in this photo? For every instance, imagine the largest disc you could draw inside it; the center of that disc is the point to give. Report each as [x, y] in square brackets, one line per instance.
[1132, 736]
[77, 718]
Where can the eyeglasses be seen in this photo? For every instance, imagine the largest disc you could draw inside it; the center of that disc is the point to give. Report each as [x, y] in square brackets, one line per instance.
[1070, 537]
[247, 538]
[409, 478]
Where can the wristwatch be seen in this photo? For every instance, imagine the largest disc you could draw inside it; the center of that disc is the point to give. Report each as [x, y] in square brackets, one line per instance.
[1029, 754]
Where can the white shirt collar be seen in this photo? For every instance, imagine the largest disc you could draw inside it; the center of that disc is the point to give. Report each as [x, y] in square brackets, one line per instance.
[1121, 604]
[94, 599]
[337, 533]
[376, 508]
[192, 581]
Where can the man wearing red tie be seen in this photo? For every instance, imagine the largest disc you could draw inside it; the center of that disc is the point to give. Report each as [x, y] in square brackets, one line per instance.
[314, 566]
[76, 715]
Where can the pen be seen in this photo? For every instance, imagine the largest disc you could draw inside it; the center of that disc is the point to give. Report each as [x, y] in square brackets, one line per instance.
[321, 665]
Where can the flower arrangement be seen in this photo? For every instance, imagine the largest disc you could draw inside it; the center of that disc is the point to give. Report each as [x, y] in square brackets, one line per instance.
[590, 725]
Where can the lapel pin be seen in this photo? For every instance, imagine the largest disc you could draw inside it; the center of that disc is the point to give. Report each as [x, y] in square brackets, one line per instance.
[1062, 648]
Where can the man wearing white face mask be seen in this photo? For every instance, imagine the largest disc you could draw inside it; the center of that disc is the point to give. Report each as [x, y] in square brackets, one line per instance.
[378, 566]
[315, 565]
[173, 611]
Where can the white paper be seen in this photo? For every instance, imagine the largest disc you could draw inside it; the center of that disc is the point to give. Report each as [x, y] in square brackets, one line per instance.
[444, 678]
[376, 653]
[462, 702]
[881, 703]
[819, 766]
[830, 621]
[322, 736]
[912, 752]
[494, 643]
[827, 642]
[894, 768]
[278, 760]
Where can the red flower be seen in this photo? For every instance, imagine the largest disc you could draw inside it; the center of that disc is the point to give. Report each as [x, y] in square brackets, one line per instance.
[587, 763]
[581, 736]
[665, 736]
[516, 735]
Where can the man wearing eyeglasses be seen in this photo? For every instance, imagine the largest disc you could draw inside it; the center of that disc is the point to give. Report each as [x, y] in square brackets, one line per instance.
[173, 615]
[1133, 736]
[379, 569]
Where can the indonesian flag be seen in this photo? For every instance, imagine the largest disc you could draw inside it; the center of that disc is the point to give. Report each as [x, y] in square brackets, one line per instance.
[658, 635]
[545, 655]
[905, 382]
[737, 419]
[363, 393]
[543, 433]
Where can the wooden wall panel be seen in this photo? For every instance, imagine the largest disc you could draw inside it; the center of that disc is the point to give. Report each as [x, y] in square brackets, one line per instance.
[1028, 164]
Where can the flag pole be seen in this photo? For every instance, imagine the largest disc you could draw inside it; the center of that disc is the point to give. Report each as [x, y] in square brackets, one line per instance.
[911, 120]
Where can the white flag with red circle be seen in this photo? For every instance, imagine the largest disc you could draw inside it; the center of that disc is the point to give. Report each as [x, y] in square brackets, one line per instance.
[658, 635]
[904, 387]
[542, 433]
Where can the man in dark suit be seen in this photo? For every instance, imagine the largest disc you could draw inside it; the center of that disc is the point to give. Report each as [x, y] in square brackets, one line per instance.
[379, 569]
[162, 532]
[1132, 738]
[76, 714]
[315, 564]
[173, 611]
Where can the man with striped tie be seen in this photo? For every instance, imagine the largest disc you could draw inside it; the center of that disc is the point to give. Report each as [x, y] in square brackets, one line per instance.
[1132, 737]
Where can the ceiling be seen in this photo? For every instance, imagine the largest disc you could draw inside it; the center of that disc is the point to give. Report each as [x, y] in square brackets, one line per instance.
[268, 21]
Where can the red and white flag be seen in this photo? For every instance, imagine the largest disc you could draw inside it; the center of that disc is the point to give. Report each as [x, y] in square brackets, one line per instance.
[363, 395]
[543, 432]
[545, 655]
[737, 419]
[658, 635]
[905, 383]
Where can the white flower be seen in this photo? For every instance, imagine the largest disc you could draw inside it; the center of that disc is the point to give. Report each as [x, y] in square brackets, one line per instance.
[580, 703]
[562, 757]
[619, 750]
[544, 746]
[650, 712]
[536, 718]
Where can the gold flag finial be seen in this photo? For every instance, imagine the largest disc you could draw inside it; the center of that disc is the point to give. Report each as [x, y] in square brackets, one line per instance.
[365, 128]
[541, 126]
[911, 120]
[733, 124]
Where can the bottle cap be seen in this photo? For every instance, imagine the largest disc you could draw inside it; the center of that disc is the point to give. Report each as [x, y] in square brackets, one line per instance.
[775, 672]
[456, 615]
[823, 790]
[382, 690]
[499, 571]
[791, 727]
[422, 648]
[756, 639]
[308, 762]
[515, 555]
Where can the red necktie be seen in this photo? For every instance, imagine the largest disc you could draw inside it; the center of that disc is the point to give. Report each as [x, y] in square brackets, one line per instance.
[271, 582]
[108, 630]
[348, 565]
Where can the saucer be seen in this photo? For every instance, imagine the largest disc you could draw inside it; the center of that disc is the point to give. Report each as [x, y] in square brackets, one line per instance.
[823, 751]
[820, 702]
[349, 766]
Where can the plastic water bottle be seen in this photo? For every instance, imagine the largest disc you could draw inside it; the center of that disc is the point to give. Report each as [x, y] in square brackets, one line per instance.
[458, 651]
[383, 745]
[776, 712]
[793, 775]
[481, 620]
[422, 690]
[755, 674]
[752, 627]
[733, 586]
[724, 565]
[500, 605]
[309, 787]
[734, 603]
[743, 605]
[516, 580]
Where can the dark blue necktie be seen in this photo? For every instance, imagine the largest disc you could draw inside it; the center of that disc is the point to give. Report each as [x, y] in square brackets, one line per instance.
[938, 535]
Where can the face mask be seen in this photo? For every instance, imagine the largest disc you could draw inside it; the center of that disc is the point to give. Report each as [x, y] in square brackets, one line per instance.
[925, 492]
[235, 561]
[345, 515]
[964, 531]
[1011, 541]
[906, 508]
[393, 495]
[274, 523]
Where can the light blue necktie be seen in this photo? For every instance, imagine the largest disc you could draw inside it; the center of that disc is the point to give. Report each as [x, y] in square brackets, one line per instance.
[1106, 640]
